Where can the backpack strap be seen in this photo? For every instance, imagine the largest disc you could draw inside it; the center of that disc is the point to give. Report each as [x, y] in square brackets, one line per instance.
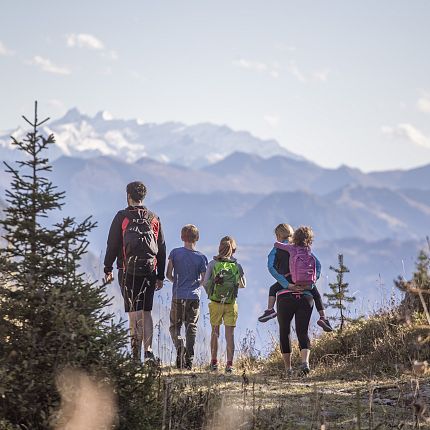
[124, 225]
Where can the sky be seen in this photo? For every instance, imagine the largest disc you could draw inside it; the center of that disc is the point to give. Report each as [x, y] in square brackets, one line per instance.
[336, 81]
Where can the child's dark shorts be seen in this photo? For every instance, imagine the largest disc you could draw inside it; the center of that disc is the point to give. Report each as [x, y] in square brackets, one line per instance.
[274, 289]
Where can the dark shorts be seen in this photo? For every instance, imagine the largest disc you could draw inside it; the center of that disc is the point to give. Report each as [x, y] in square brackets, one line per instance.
[137, 291]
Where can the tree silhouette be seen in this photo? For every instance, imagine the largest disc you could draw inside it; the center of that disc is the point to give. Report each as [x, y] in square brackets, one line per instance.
[339, 295]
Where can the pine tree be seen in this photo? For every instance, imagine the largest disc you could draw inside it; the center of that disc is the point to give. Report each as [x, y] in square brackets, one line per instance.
[51, 316]
[339, 295]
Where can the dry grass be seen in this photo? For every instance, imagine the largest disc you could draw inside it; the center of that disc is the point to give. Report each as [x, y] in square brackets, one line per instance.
[383, 345]
[217, 401]
[361, 379]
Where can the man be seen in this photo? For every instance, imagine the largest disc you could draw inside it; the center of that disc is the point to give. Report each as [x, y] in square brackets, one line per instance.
[136, 242]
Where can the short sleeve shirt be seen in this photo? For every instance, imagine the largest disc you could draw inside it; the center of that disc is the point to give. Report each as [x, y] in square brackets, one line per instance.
[188, 264]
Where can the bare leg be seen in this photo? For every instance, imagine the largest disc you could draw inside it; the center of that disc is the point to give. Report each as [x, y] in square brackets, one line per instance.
[214, 342]
[304, 354]
[147, 330]
[271, 302]
[287, 360]
[136, 332]
[229, 338]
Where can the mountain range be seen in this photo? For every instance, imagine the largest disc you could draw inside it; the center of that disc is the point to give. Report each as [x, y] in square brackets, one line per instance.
[229, 182]
[253, 199]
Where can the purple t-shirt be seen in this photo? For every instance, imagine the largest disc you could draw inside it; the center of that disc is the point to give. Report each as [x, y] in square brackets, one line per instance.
[188, 264]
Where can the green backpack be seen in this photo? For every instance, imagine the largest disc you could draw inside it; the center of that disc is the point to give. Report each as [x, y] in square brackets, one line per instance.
[224, 282]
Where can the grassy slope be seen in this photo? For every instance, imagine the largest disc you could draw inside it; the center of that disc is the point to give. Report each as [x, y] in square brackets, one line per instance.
[269, 402]
[360, 380]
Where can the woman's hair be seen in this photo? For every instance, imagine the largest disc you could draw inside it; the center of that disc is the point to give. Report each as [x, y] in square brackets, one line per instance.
[190, 233]
[136, 190]
[227, 247]
[303, 236]
[284, 231]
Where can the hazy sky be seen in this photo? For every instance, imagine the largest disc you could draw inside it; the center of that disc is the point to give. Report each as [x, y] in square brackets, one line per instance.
[337, 81]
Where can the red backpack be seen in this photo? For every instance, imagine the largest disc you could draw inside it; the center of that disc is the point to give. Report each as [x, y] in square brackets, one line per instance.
[302, 264]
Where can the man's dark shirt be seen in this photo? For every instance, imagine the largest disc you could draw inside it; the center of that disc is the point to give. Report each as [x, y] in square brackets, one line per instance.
[114, 250]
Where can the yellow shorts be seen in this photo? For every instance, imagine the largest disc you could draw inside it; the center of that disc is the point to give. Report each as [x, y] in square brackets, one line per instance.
[223, 311]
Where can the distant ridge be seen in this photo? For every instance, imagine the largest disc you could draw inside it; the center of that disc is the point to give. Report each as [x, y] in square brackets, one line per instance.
[254, 173]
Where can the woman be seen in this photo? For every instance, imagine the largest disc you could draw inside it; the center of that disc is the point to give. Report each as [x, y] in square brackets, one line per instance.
[296, 302]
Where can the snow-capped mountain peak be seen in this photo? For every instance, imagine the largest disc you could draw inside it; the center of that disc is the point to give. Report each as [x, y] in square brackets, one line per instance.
[83, 136]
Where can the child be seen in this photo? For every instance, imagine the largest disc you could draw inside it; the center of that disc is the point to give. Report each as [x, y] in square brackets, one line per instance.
[278, 265]
[223, 277]
[186, 269]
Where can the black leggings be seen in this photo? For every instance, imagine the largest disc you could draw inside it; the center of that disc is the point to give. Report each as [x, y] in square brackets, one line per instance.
[299, 306]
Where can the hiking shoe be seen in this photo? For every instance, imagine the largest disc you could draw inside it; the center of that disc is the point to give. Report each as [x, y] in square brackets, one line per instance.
[213, 367]
[267, 315]
[324, 323]
[304, 369]
[229, 369]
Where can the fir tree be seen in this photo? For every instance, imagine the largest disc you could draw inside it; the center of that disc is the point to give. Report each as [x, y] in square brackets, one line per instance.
[51, 316]
[339, 295]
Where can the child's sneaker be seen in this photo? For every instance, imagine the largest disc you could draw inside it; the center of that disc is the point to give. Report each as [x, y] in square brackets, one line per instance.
[267, 315]
[290, 372]
[213, 367]
[304, 369]
[229, 369]
[325, 324]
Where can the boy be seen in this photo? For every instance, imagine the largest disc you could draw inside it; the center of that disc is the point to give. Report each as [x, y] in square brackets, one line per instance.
[278, 264]
[186, 269]
[223, 277]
